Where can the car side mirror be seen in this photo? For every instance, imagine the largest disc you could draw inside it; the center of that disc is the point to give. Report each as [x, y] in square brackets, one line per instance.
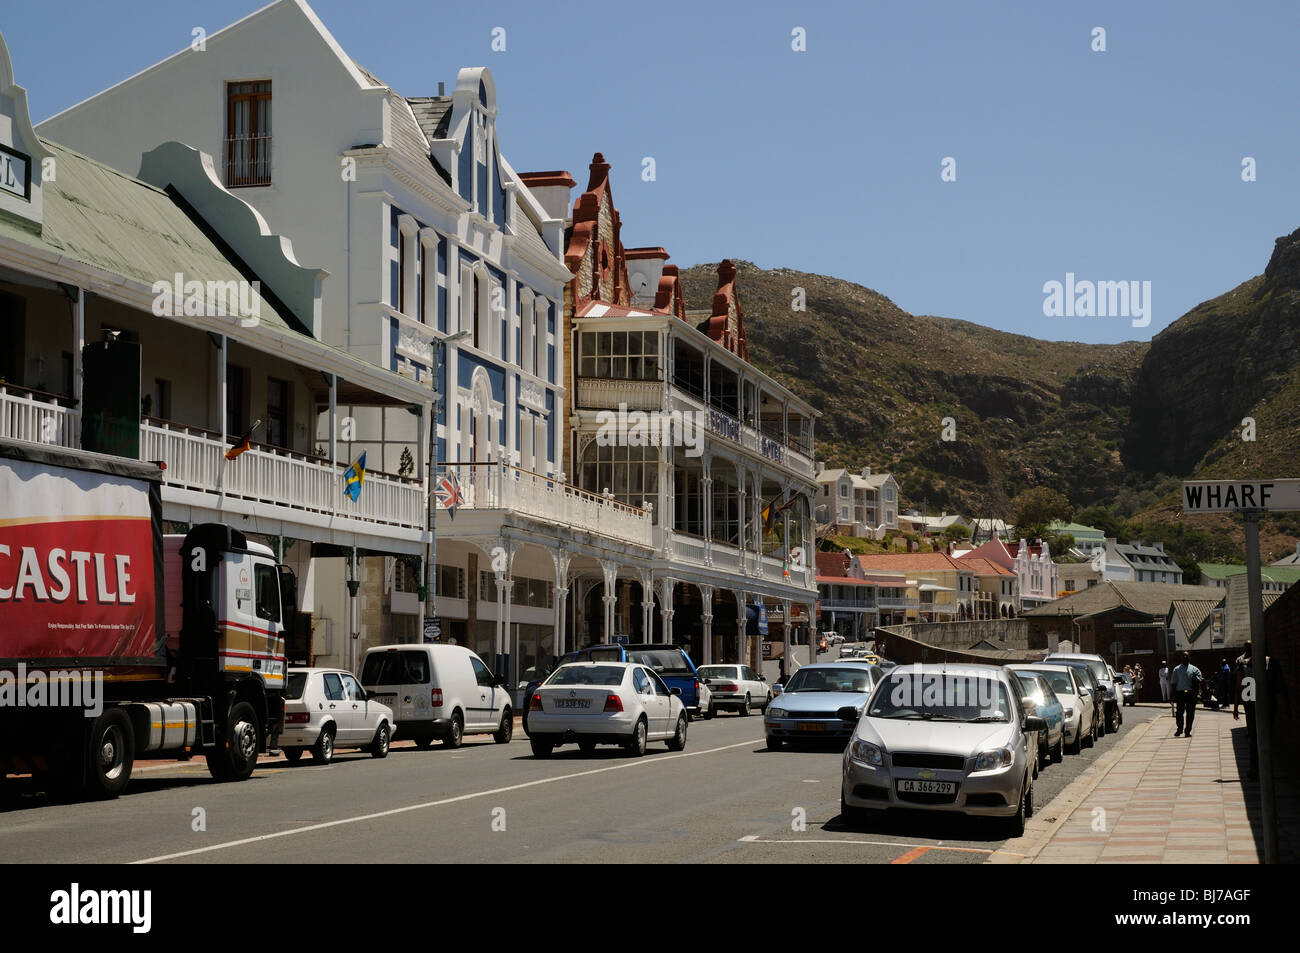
[847, 713]
[1034, 723]
[778, 688]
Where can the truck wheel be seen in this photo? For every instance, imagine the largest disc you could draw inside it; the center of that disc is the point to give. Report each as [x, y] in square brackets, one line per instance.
[455, 733]
[323, 749]
[110, 753]
[237, 756]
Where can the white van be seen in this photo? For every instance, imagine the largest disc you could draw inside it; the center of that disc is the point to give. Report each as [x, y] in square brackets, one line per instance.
[438, 691]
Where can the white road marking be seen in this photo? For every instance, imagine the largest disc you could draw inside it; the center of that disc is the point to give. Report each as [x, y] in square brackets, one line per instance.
[450, 800]
[756, 839]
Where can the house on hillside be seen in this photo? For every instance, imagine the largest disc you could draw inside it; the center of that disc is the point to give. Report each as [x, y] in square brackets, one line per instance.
[1273, 578]
[862, 504]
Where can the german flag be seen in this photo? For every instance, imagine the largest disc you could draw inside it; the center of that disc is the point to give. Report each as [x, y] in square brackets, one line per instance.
[245, 443]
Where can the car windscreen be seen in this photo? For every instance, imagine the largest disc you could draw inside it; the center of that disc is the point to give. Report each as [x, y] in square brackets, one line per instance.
[1061, 682]
[395, 668]
[607, 654]
[718, 671]
[605, 675]
[294, 685]
[941, 696]
[830, 680]
[663, 661]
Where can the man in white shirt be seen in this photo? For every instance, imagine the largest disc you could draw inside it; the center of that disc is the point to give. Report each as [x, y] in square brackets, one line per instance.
[1164, 681]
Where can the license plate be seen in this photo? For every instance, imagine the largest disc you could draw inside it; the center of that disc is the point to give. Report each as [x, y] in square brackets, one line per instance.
[572, 703]
[810, 726]
[389, 700]
[927, 787]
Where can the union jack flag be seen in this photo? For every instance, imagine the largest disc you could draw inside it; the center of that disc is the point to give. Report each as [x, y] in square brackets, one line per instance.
[448, 492]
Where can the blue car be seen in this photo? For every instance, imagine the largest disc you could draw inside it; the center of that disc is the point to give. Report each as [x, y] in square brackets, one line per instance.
[1042, 701]
[670, 662]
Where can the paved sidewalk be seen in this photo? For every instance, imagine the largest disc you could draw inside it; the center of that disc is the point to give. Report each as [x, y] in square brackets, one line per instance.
[1174, 800]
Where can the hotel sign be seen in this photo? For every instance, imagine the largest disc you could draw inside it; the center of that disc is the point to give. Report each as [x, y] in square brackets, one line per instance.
[724, 425]
[15, 173]
[1231, 496]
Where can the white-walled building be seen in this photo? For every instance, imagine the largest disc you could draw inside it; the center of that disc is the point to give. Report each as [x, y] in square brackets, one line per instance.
[863, 504]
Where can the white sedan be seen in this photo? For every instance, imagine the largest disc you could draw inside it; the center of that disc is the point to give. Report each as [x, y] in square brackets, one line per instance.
[736, 687]
[605, 703]
[326, 708]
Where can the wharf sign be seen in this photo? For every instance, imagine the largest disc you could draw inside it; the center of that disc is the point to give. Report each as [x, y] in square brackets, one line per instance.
[1232, 496]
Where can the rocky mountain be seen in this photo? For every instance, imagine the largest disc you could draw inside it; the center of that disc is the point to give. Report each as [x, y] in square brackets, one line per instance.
[1092, 421]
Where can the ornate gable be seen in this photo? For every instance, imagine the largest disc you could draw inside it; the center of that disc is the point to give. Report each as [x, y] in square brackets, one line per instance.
[726, 324]
[595, 254]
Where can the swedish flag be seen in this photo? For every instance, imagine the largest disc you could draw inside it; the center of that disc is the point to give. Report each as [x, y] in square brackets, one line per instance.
[354, 477]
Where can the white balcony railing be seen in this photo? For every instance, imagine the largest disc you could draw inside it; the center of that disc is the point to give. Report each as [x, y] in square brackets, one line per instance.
[195, 460]
[722, 424]
[849, 604]
[885, 603]
[497, 486]
[35, 417]
[603, 394]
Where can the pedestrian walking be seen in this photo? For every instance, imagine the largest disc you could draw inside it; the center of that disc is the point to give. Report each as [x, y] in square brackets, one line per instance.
[1138, 678]
[1164, 681]
[1223, 684]
[1186, 682]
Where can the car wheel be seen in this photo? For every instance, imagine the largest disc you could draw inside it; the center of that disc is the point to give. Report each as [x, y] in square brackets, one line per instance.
[110, 754]
[774, 744]
[503, 734]
[767, 701]
[456, 733]
[1029, 801]
[678, 741]
[323, 750]
[237, 758]
[1038, 759]
[541, 749]
[712, 710]
[850, 816]
[1058, 753]
[1091, 740]
[379, 747]
[524, 720]
[293, 755]
[636, 744]
[586, 747]
[423, 741]
[744, 708]
[1015, 826]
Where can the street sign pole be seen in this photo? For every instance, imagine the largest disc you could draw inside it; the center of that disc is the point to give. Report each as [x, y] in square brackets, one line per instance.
[1260, 686]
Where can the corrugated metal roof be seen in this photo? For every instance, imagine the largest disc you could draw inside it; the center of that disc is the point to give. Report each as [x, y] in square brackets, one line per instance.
[104, 218]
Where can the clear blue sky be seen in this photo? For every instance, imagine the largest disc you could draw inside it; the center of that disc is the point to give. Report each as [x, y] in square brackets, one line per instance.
[1122, 165]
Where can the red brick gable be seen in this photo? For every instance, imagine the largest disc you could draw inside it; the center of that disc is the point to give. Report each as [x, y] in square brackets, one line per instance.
[595, 252]
[727, 323]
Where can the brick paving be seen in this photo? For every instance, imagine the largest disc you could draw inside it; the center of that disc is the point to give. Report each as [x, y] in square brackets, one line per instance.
[1179, 801]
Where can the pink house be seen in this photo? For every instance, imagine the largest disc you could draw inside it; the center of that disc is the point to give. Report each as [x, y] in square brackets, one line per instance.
[1038, 579]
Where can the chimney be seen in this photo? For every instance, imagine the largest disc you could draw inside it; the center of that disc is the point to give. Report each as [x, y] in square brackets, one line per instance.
[866, 472]
[442, 89]
[821, 465]
[552, 190]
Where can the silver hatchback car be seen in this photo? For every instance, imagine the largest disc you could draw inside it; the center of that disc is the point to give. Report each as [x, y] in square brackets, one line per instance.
[944, 738]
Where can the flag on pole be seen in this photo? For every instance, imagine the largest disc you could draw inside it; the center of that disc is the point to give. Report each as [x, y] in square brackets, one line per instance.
[245, 443]
[354, 477]
[448, 492]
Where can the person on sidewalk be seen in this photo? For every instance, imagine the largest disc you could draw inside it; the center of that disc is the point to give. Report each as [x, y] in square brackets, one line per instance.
[1186, 684]
[1244, 696]
[1164, 681]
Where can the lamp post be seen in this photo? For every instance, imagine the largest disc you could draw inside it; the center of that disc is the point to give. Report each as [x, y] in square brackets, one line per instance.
[432, 627]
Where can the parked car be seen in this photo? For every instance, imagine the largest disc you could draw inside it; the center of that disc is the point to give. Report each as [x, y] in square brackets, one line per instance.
[326, 709]
[819, 702]
[1113, 711]
[852, 650]
[595, 703]
[735, 688]
[1128, 688]
[1096, 689]
[1072, 690]
[943, 738]
[438, 691]
[1039, 694]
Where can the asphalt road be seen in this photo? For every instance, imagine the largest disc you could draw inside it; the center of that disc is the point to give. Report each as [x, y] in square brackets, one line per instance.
[725, 799]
